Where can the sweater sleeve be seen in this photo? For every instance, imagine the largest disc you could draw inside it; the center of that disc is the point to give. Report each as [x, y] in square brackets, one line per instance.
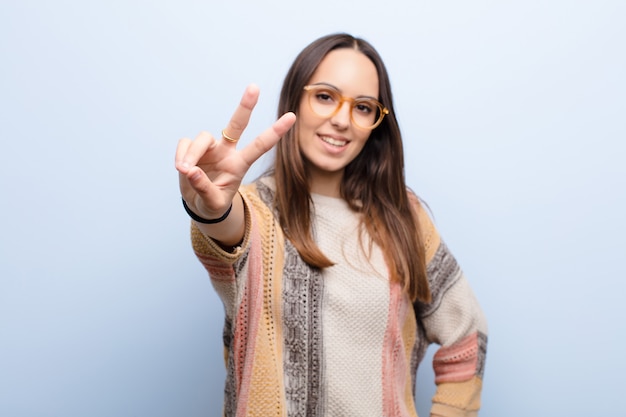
[455, 321]
[224, 266]
[206, 248]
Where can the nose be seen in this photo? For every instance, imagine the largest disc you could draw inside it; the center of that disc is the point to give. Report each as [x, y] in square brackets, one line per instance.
[341, 118]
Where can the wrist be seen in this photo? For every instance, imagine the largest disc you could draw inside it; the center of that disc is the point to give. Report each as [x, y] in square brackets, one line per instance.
[202, 220]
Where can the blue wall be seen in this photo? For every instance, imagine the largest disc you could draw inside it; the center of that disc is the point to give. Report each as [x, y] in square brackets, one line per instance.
[513, 114]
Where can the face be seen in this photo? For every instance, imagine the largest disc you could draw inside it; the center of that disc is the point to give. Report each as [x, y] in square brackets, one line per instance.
[329, 144]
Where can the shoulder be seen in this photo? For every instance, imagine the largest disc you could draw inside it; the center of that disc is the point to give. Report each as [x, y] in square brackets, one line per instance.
[430, 235]
[259, 195]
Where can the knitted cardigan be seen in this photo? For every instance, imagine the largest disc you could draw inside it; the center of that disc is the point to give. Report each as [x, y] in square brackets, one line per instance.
[274, 335]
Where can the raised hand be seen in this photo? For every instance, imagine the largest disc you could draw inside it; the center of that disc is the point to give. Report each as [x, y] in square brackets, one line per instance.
[211, 170]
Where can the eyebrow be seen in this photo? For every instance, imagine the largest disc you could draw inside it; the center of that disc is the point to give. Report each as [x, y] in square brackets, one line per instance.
[339, 91]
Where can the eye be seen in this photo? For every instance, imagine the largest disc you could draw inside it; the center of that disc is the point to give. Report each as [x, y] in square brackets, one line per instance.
[365, 107]
[325, 96]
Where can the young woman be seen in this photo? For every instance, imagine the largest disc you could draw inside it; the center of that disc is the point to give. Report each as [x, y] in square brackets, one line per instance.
[333, 278]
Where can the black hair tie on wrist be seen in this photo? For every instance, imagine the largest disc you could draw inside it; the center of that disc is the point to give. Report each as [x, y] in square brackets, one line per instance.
[199, 219]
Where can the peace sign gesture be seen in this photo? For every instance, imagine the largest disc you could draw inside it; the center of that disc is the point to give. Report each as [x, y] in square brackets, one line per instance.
[211, 170]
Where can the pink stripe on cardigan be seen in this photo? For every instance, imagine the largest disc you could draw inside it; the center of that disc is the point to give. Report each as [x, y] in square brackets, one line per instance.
[457, 363]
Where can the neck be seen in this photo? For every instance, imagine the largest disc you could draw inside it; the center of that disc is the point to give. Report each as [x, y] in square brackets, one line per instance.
[325, 183]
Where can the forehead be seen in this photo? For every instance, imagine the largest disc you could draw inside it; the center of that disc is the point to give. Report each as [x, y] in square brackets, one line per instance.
[349, 70]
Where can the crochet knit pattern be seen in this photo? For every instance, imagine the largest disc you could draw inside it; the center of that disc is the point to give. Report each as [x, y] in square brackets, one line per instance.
[343, 341]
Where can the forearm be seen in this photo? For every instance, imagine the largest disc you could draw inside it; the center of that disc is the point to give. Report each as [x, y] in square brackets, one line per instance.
[457, 399]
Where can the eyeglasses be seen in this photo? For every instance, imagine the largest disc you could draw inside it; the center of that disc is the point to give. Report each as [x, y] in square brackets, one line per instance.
[326, 101]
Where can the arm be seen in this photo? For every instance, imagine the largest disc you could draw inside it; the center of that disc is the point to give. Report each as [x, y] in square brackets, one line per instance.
[455, 321]
[458, 325]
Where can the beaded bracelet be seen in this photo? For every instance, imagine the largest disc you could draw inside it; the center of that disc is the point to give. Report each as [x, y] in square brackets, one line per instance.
[199, 219]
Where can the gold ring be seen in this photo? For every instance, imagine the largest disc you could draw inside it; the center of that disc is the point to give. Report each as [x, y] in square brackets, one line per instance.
[228, 138]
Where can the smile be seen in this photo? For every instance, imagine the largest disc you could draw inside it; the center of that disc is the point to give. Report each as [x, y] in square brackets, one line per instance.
[334, 142]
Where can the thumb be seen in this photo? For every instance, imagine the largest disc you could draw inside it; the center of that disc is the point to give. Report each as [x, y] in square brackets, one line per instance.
[200, 182]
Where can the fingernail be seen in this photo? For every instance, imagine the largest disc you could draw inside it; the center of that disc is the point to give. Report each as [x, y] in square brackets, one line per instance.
[195, 175]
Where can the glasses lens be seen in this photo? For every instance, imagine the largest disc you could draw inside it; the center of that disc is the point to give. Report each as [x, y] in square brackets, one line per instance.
[365, 113]
[324, 101]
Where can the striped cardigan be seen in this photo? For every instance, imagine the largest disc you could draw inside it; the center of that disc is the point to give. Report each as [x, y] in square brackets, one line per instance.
[274, 335]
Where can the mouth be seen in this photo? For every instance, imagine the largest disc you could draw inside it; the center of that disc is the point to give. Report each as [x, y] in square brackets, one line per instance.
[333, 141]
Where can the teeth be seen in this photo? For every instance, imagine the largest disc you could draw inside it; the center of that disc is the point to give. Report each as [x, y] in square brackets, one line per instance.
[333, 142]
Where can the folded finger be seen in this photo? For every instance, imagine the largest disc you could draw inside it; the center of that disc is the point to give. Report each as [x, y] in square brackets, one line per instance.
[190, 152]
[181, 150]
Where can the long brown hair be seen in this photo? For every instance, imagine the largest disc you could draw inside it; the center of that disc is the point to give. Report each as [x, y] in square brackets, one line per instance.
[373, 183]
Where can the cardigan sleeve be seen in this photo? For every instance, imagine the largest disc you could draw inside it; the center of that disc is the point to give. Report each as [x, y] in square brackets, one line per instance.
[206, 248]
[454, 320]
[224, 266]
[227, 269]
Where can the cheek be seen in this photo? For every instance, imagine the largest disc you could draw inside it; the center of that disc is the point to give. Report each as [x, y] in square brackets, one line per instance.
[305, 116]
[363, 136]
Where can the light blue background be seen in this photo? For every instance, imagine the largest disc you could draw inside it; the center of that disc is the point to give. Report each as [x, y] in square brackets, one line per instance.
[513, 114]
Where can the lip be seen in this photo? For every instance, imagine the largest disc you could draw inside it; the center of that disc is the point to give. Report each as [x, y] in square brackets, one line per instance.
[333, 143]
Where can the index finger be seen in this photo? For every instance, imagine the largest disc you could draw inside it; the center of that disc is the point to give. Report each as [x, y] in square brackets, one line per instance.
[241, 116]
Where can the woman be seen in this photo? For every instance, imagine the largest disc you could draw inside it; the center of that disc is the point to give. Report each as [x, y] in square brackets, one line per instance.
[333, 278]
